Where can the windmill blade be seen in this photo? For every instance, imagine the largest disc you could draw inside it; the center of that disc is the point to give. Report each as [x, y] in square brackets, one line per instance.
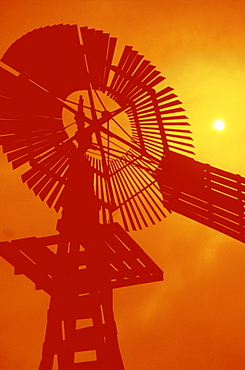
[204, 193]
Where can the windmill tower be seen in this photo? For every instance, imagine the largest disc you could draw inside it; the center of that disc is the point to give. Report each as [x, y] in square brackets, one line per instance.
[99, 140]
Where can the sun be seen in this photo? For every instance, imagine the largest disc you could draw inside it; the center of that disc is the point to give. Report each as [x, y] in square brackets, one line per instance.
[219, 125]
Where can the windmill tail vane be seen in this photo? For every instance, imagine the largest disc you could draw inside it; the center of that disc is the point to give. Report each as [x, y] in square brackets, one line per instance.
[99, 141]
[206, 194]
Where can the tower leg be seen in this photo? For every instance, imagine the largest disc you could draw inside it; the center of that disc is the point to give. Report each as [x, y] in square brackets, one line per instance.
[81, 329]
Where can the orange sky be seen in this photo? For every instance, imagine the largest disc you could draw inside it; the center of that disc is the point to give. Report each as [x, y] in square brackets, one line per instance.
[196, 318]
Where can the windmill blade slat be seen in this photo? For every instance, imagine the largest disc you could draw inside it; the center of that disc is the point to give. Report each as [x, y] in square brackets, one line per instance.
[151, 128]
[153, 134]
[8, 128]
[102, 42]
[39, 126]
[127, 88]
[170, 104]
[145, 73]
[57, 153]
[172, 118]
[141, 111]
[117, 196]
[151, 145]
[11, 144]
[163, 111]
[95, 48]
[181, 149]
[53, 171]
[122, 81]
[180, 123]
[32, 144]
[53, 197]
[153, 150]
[155, 82]
[171, 111]
[125, 186]
[180, 143]
[135, 64]
[47, 189]
[95, 165]
[177, 130]
[180, 137]
[125, 196]
[156, 154]
[19, 162]
[141, 68]
[120, 198]
[35, 179]
[133, 182]
[155, 195]
[145, 107]
[130, 93]
[139, 194]
[127, 50]
[156, 138]
[165, 98]
[42, 148]
[47, 161]
[135, 93]
[129, 85]
[14, 142]
[102, 194]
[148, 121]
[145, 98]
[145, 114]
[151, 77]
[50, 136]
[144, 180]
[28, 174]
[41, 185]
[137, 126]
[110, 54]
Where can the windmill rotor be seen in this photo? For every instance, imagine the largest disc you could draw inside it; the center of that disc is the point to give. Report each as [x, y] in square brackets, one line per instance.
[50, 65]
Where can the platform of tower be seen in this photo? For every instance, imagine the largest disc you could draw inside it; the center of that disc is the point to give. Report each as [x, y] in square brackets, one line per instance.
[80, 276]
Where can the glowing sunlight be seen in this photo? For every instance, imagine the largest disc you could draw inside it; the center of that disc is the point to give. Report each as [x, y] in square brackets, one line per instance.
[219, 125]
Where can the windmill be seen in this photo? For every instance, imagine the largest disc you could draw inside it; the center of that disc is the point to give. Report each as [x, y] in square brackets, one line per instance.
[99, 141]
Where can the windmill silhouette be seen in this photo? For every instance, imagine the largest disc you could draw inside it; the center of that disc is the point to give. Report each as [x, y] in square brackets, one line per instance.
[99, 142]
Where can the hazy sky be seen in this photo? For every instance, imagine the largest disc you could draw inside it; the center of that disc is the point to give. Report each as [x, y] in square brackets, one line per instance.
[195, 319]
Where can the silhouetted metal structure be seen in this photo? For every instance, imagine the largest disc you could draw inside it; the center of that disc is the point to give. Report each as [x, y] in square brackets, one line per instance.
[125, 150]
